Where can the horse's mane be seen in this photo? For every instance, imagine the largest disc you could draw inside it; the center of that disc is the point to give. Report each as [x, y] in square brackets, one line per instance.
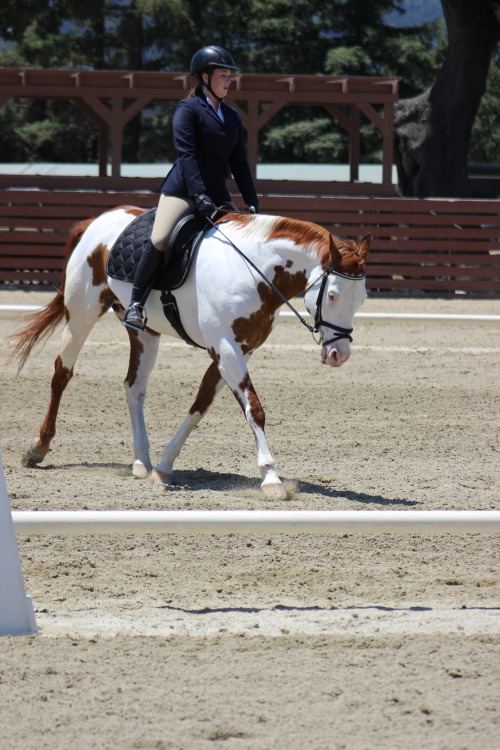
[310, 236]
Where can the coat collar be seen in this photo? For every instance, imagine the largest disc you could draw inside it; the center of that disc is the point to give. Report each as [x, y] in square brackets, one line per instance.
[203, 99]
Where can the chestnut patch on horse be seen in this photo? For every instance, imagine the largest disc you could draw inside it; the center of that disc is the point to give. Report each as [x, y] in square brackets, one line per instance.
[106, 299]
[213, 354]
[136, 351]
[207, 390]
[256, 410]
[134, 210]
[62, 375]
[97, 262]
[251, 332]
[60, 379]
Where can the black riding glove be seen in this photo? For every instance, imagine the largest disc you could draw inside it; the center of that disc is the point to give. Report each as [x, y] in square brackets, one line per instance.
[205, 205]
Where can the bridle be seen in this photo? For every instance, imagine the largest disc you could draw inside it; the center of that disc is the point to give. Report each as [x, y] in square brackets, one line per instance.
[340, 333]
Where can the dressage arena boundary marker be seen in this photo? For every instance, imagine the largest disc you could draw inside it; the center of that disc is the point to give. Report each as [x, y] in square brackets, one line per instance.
[317, 522]
[367, 316]
[16, 611]
[17, 616]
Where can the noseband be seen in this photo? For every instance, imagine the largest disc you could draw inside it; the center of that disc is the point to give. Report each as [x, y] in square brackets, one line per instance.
[340, 333]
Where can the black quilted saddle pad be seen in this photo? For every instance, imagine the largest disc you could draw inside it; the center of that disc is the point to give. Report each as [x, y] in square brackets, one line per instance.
[127, 250]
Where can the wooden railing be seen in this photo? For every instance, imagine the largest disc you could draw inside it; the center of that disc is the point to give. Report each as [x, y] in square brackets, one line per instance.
[111, 98]
[420, 246]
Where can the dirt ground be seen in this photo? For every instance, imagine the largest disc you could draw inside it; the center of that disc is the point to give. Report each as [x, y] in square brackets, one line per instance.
[257, 642]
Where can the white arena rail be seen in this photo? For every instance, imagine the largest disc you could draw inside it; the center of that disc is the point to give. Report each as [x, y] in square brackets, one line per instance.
[369, 316]
[256, 522]
[414, 317]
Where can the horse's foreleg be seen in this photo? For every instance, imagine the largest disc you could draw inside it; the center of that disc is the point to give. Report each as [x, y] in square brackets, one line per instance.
[233, 369]
[143, 352]
[252, 408]
[210, 385]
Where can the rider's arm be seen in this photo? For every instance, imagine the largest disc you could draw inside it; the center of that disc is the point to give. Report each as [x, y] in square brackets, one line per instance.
[186, 142]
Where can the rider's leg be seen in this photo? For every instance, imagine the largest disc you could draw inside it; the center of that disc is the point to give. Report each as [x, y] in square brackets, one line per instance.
[170, 210]
[150, 263]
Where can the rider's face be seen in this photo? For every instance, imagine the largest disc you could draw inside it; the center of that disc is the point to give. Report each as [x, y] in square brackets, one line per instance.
[221, 81]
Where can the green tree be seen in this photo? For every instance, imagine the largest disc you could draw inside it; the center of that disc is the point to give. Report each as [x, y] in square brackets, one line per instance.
[266, 36]
[485, 137]
[433, 129]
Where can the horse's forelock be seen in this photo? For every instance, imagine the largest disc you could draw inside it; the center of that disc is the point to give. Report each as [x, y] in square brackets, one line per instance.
[352, 261]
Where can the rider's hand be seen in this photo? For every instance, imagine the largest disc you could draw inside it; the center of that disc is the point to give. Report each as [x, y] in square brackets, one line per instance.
[205, 205]
[253, 209]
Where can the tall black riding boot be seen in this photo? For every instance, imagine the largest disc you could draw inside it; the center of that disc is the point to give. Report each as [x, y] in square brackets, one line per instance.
[150, 263]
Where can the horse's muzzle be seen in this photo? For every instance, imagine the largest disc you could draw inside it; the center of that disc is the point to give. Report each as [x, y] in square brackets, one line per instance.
[335, 354]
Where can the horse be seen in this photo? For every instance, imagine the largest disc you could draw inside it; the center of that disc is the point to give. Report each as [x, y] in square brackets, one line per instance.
[245, 268]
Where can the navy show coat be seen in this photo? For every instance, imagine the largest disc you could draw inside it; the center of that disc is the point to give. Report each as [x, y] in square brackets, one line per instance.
[206, 147]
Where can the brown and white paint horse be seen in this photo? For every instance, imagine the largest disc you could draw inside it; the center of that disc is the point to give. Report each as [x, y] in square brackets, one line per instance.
[225, 307]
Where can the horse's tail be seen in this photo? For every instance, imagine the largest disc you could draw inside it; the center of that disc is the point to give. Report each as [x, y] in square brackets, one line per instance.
[41, 324]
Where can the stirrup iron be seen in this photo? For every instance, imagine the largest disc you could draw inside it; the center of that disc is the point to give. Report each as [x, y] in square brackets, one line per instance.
[135, 317]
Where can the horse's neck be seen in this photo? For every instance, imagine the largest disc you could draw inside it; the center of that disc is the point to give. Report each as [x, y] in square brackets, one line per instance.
[300, 268]
[283, 262]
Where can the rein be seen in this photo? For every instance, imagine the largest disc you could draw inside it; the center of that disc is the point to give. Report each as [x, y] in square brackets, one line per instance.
[341, 333]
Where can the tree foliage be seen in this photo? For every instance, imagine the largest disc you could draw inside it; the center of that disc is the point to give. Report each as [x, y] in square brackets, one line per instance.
[265, 36]
[433, 129]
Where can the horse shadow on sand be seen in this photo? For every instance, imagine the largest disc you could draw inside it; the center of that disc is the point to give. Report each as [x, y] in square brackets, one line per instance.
[198, 480]
[202, 479]
[290, 608]
[312, 608]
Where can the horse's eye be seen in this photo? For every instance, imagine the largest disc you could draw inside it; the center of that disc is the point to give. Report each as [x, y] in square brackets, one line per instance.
[331, 297]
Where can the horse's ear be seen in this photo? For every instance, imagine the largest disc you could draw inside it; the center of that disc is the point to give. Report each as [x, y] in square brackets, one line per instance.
[335, 257]
[364, 244]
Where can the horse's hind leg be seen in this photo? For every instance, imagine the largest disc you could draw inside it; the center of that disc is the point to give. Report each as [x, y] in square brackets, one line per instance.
[73, 337]
[143, 352]
[40, 446]
[210, 385]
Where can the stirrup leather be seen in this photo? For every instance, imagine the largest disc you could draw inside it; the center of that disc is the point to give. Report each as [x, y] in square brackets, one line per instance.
[135, 317]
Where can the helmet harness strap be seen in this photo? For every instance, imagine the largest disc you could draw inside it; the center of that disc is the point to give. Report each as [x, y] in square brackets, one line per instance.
[208, 84]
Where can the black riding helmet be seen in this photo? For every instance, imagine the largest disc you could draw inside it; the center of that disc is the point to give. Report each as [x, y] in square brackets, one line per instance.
[209, 58]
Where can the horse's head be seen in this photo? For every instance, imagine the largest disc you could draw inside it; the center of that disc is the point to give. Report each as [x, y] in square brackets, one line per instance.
[337, 295]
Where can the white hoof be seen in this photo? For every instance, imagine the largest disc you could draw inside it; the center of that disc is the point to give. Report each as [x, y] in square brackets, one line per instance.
[275, 491]
[34, 455]
[139, 469]
[160, 477]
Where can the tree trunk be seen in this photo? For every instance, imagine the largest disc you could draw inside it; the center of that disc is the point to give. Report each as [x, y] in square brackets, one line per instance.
[432, 130]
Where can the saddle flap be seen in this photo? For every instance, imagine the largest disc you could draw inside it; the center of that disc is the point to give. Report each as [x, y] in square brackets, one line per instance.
[184, 239]
[183, 242]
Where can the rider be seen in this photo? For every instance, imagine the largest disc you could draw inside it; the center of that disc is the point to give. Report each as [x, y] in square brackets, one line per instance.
[208, 138]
